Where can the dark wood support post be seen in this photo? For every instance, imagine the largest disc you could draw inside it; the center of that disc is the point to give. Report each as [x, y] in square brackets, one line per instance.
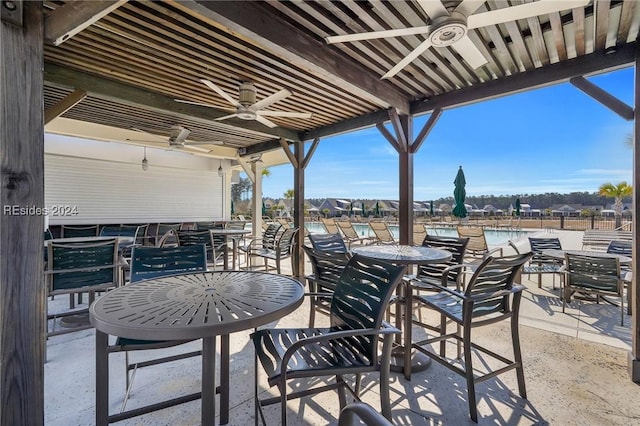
[634, 354]
[298, 208]
[22, 289]
[405, 191]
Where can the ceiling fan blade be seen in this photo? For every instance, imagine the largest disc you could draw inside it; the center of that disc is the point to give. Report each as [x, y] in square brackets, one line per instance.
[278, 96]
[145, 141]
[467, 7]
[376, 34]
[285, 114]
[522, 11]
[184, 101]
[266, 122]
[408, 59]
[433, 8]
[220, 92]
[469, 52]
[226, 116]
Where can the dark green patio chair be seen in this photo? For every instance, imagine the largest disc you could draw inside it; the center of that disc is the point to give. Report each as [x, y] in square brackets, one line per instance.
[75, 231]
[215, 247]
[327, 266]
[80, 267]
[349, 346]
[328, 242]
[283, 249]
[597, 276]
[266, 241]
[166, 234]
[490, 296]
[156, 262]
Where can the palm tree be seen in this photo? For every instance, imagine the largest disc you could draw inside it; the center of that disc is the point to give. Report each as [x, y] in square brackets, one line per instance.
[618, 192]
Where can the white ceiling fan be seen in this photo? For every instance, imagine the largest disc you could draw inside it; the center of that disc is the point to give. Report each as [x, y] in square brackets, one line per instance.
[448, 26]
[246, 106]
[176, 140]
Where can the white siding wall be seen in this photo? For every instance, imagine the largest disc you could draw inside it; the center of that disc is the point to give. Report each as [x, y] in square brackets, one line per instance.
[114, 189]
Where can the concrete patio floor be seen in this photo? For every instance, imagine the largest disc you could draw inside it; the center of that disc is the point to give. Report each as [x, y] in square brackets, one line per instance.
[575, 368]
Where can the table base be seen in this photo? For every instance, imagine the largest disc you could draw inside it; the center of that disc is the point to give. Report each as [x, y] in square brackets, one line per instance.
[77, 320]
[419, 361]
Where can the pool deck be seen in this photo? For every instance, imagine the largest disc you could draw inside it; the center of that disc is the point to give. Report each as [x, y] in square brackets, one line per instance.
[575, 369]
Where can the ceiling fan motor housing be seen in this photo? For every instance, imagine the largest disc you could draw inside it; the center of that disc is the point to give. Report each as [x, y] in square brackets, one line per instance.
[246, 98]
[448, 29]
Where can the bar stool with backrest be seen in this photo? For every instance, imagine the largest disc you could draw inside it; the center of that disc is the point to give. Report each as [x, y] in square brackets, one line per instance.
[156, 262]
[490, 296]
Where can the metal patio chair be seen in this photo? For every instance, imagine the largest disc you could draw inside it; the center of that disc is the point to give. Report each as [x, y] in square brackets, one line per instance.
[490, 296]
[328, 242]
[155, 262]
[382, 233]
[350, 234]
[348, 346]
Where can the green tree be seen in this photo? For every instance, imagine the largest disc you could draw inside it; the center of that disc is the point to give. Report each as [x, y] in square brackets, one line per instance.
[289, 194]
[617, 192]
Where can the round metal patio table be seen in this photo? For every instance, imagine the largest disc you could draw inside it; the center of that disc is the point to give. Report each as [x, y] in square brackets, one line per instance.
[406, 255]
[191, 306]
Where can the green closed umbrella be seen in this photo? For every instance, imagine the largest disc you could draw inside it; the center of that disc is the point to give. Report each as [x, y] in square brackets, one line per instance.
[376, 210]
[518, 207]
[459, 195]
[232, 210]
[431, 208]
[264, 209]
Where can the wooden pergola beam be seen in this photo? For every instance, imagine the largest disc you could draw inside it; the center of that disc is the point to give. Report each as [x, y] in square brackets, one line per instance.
[64, 105]
[604, 97]
[68, 20]
[561, 72]
[129, 95]
[249, 19]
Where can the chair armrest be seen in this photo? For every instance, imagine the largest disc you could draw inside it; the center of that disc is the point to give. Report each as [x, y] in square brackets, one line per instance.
[493, 250]
[335, 335]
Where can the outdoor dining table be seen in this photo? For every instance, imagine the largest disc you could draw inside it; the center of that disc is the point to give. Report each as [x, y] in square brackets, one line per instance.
[405, 255]
[234, 234]
[190, 306]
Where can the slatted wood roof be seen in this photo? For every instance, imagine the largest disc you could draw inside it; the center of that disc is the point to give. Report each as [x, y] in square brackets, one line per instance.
[139, 58]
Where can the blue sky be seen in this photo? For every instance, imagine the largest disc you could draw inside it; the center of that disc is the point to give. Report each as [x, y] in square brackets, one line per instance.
[555, 139]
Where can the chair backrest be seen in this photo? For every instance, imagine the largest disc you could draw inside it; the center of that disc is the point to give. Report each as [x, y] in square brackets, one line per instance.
[75, 231]
[48, 235]
[110, 231]
[540, 244]
[599, 273]
[382, 232]
[328, 242]
[165, 233]
[419, 234]
[361, 297]
[625, 248]
[327, 266]
[82, 264]
[236, 224]
[154, 262]
[347, 229]
[477, 245]
[190, 238]
[330, 225]
[491, 283]
[270, 235]
[457, 247]
[141, 234]
[285, 244]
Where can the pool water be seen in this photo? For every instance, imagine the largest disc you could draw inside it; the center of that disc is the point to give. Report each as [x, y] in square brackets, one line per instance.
[494, 237]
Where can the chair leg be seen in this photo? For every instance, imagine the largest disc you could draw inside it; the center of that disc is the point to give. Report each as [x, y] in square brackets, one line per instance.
[468, 367]
[517, 353]
[443, 331]
[342, 397]
[283, 404]
[385, 398]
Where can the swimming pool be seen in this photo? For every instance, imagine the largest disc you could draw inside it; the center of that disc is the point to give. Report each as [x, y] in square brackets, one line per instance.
[495, 237]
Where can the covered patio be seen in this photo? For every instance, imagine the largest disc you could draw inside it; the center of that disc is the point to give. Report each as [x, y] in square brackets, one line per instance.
[122, 71]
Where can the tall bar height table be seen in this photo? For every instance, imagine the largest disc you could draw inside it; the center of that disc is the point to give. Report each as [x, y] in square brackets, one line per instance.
[189, 306]
[234, 234]
[405, 255]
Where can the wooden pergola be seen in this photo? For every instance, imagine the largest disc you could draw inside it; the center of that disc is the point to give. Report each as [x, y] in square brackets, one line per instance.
[127, 65]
